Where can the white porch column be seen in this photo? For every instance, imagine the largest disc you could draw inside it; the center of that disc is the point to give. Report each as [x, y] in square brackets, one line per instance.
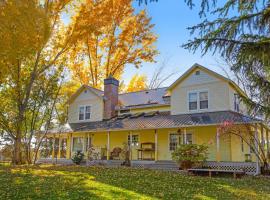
[108, 146]
[130, 144]
[156, 145]
[53, 149]
[83, 144]
[59, 147]
[262, 137]
[71, 145]
[258, 168]
[185, 136]
[218, 145]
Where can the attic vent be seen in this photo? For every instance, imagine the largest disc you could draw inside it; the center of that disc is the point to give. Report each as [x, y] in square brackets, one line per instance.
[197, 73]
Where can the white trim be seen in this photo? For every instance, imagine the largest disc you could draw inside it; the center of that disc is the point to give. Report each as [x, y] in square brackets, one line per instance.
[84, 105]
[198, 100]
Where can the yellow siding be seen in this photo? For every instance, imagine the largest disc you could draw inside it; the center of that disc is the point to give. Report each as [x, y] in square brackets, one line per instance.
[230, 147]
[217, 97]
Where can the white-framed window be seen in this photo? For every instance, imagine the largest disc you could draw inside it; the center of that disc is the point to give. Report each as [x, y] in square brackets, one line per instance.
[192, 101]
[198, 100]
[84, 113]
[135, 140]
[174, 141]
[77, 144]
[236, 102]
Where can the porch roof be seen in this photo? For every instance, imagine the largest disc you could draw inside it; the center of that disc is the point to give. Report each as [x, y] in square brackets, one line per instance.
[163, 120]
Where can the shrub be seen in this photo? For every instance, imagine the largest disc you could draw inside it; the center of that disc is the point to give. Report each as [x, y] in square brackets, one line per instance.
[190, 155]
[78, 157]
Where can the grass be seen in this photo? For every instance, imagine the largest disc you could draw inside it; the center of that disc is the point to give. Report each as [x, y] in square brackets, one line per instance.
[73, 182]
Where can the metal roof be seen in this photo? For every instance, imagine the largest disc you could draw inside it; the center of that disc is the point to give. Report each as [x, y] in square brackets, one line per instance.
[164, 120]
[145, 97]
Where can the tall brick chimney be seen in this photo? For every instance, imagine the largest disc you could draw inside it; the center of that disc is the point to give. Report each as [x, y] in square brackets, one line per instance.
[111, 97]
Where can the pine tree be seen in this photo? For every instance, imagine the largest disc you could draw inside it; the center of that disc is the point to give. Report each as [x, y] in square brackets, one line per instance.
[243, 38]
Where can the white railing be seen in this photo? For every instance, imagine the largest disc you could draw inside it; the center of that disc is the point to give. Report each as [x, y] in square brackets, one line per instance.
[248, 167]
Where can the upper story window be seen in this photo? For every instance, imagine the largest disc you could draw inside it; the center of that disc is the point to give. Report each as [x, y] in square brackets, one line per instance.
[84, 112]
[198, 100]
[193, 101]
[236, 102]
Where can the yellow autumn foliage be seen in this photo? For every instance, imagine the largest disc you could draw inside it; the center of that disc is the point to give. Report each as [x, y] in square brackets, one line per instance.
[137, 83]
[110, 36]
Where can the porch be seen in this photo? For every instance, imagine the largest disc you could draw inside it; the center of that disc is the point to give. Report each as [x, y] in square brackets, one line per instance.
[149, 148]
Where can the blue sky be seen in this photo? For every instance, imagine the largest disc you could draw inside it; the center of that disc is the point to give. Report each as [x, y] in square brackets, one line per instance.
[171, 20]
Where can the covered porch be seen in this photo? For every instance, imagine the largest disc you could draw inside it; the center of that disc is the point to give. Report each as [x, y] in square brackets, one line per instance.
[148, 145]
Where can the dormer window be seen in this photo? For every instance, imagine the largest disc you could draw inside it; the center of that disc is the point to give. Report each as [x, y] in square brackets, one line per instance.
[84, 113]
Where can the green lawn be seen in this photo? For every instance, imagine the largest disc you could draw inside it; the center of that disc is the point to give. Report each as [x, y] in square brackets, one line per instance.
[72, 182]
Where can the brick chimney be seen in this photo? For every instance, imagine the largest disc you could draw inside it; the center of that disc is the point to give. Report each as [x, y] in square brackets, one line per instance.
[110, 97]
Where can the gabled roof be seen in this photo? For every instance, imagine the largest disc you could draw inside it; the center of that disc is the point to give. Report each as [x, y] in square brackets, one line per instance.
[95, 91]
[164, 120]
[197, 66]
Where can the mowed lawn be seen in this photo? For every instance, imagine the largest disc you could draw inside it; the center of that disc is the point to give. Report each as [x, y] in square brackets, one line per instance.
[73, 182]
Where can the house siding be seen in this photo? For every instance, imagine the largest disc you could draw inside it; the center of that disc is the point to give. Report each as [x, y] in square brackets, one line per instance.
[218, 97]
[90, 99]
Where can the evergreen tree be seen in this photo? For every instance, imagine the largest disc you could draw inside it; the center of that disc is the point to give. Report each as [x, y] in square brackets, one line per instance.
[243, 37]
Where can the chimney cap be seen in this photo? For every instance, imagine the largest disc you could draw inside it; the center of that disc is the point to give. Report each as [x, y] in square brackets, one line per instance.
[111, 80]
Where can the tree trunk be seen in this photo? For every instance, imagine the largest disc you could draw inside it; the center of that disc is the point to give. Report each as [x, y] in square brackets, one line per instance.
[17, 153]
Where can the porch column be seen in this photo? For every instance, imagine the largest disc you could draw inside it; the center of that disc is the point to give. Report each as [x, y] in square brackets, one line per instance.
[108, 146]
[130, 144]
[83, 144]
[218, 145]
[185, 136]
[88, 141]
[71, 146]
[53, 149]
[156, 145]
[59, 147]
[258, 168]
[262, 137]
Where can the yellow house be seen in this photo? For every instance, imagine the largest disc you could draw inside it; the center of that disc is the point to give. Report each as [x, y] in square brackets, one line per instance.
[154, 122]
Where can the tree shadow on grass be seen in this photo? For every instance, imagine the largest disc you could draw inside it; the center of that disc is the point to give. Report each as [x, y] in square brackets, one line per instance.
[171, 185]
[38, 183]
[72, 182]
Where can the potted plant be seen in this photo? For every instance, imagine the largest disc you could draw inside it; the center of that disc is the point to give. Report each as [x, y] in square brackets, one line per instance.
[190, 155]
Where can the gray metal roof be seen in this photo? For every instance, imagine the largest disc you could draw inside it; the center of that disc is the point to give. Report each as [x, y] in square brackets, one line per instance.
[164, 120]
[145, 97]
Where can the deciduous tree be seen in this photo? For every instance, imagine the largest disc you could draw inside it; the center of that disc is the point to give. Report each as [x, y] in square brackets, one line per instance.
[32, 43]
[112, 36]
